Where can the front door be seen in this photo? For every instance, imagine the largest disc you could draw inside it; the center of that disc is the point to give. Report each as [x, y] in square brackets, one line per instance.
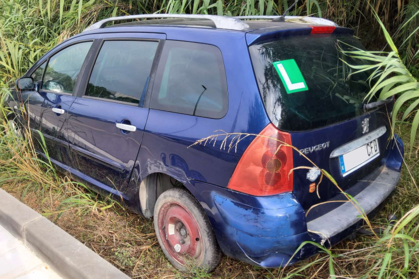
[56, 81]
[106, 123]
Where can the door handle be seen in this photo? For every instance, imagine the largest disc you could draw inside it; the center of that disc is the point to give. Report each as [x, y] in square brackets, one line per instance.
[58, 110]
[126, 127]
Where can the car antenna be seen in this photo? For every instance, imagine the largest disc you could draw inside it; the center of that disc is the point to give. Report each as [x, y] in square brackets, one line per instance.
[282, 17]
[199, 99]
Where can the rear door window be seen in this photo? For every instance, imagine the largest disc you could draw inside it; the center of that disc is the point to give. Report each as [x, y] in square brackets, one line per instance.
[122, 70]
[191, 80]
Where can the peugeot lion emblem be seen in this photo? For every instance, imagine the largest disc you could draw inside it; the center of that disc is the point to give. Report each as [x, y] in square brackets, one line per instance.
[365, 125]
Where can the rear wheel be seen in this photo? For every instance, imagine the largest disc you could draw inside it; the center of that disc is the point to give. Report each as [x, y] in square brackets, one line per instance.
[184, 232]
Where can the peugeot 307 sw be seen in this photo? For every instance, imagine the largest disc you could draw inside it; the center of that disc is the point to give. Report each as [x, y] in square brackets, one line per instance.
[121, 107]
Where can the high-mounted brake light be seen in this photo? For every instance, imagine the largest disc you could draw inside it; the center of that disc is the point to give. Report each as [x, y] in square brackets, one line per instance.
[264, 169]
[322, 29]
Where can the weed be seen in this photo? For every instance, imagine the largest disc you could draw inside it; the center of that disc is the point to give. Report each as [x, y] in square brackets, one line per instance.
[390, 78]
[123, 257]
[29, 28]
[193, 271]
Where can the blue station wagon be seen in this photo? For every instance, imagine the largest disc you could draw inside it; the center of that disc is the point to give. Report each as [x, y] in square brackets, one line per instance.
[218, 129]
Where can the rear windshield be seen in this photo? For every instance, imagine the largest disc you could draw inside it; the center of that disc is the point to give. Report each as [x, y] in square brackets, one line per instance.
[304, 83]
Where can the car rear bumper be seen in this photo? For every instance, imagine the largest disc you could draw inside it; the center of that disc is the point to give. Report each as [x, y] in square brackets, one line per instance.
[345, 216]
[267, 231]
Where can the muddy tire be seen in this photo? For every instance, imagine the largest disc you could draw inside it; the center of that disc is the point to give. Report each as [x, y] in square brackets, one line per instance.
[184, 232]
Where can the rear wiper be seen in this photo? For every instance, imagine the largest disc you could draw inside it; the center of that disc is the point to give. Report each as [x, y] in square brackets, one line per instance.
[373, 105]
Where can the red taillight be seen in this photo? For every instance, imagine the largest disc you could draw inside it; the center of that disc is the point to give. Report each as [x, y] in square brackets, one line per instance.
[264, 169]
[322, 29]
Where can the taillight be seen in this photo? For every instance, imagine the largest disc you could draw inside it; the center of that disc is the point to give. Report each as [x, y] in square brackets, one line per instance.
[264, 169]
[322, 29]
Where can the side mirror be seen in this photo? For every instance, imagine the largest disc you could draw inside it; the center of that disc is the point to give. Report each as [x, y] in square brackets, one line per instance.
[25, 84]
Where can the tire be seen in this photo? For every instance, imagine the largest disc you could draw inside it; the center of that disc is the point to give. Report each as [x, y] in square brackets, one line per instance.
[184, 232]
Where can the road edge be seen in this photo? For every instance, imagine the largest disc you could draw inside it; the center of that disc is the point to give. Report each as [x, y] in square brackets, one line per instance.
[67, 256]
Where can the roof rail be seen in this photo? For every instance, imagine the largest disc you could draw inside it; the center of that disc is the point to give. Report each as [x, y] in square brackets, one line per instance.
[298, 19]
[221, 22]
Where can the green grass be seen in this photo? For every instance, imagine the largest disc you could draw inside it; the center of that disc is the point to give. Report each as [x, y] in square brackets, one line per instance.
[389, 78]
[20, 165]
[29, 28]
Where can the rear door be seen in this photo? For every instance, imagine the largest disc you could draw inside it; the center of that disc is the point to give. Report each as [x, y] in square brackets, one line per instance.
[107, 120]
[57, 81]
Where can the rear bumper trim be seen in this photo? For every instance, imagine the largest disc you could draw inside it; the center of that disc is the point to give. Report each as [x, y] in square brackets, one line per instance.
[346, 215]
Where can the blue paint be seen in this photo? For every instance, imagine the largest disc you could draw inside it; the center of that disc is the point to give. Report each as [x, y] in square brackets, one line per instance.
[264, 231]
[336, 135]
[395, 152]
[291, 29]
[97, 186]
[342, 164]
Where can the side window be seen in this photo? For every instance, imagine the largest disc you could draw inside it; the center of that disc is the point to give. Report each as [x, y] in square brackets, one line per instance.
[63, 68]
[37, 75]
[191, 80]
[121, 71]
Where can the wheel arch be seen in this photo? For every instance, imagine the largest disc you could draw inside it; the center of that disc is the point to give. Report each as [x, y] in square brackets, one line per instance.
[152, 186]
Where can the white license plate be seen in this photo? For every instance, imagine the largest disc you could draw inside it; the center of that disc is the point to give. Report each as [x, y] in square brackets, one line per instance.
[359, 157]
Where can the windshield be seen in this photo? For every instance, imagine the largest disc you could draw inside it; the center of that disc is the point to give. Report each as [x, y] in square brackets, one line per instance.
[304, 83]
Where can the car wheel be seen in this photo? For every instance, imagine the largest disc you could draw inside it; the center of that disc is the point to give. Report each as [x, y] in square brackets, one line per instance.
[184, 231]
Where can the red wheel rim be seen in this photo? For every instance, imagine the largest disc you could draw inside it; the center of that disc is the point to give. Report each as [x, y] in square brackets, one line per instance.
[180, 233]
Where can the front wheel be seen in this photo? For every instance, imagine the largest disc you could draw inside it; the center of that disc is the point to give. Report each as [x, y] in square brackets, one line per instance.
[184, 231]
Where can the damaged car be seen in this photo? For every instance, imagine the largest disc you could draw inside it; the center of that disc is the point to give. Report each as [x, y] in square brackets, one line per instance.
[221, 129]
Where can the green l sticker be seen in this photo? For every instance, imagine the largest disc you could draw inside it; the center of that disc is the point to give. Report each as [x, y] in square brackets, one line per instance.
[291, 76]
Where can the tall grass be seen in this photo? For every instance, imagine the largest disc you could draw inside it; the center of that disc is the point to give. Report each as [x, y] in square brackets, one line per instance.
[29, 28]
[20, 166]
[391, 78]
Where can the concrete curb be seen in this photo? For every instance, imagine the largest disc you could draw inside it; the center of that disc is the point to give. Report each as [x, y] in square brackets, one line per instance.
[65, 254]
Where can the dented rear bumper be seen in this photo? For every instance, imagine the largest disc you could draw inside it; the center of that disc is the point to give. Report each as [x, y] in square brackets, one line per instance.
[266, 231]
[331, 224]
[265, 235]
